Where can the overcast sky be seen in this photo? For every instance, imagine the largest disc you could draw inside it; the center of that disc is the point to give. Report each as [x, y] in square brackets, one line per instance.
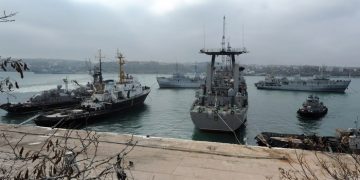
[315, 32]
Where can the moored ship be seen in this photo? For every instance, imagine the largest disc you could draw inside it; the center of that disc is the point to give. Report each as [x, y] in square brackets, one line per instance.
[49, 99]
[179, 80]
[319, 83]
[346, 141]
[222, 102]
[109, 97]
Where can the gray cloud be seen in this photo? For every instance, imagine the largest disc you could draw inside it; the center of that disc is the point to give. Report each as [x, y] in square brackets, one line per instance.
[276, 31]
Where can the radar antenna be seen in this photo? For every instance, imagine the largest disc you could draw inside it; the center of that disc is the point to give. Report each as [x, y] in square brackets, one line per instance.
[223, 40]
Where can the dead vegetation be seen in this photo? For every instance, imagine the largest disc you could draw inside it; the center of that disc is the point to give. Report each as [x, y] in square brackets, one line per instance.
[72, 155]
[324, 165]
[6, 83]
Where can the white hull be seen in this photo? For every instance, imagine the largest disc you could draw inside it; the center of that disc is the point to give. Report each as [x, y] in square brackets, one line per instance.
[211, 121]
[178, 83]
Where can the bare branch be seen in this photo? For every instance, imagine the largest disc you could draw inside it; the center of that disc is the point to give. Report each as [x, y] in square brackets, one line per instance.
[7, 17]
[65, 157]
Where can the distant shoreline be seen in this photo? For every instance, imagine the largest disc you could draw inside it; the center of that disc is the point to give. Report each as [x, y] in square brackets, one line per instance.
[52, 66]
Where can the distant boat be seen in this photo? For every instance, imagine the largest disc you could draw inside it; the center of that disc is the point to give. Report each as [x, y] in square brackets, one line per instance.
[319, 83]
[179, 80]
[312, 107]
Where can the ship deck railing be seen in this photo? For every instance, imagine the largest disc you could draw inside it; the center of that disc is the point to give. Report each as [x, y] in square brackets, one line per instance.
[223, 50]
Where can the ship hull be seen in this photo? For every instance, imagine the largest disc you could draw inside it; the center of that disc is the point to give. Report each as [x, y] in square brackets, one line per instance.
[181, 83]
[210, 121]
[83, 119]
[314, 114]
[31, 108]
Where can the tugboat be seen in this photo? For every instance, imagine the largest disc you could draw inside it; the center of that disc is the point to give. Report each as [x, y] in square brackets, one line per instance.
[47, 100]
[312, 107]
[109, 97]
[222, 102]
[179, 80]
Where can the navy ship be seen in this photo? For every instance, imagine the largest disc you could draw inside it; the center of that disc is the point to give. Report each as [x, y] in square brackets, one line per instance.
[109, 97]
[319, 83]
[179, 80]
[222, 102]
[49, 99]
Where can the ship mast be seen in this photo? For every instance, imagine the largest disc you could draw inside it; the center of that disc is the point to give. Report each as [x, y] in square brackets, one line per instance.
[100, 69]
[122, 77]
[223, 36]
[66, 84]
[98, 79]
[224, 52]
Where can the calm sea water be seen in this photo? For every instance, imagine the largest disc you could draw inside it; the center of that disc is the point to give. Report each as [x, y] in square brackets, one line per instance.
[166, 111]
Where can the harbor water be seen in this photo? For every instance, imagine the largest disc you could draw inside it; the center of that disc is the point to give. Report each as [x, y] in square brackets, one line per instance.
[166, 111]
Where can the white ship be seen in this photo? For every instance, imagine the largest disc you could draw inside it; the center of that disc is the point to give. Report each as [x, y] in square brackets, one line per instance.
[179, 80]
[109, 99]
[319, 83]
[222, 102]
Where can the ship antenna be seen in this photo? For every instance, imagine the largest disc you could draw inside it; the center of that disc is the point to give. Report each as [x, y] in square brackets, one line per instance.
[243, 37]
[66, 84]
[88, 65]
[204, 35]
[100, 64]
[223, 37]
[177, 68]
[90, 70]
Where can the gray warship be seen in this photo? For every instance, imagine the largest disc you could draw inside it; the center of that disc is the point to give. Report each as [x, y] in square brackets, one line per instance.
[222, 102]
[50, 99]
[179, 80]
[319, 83]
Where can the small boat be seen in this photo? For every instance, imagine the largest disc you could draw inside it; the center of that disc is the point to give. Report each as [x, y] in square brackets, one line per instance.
[109, 97]
[312, 107]
[48, 100]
